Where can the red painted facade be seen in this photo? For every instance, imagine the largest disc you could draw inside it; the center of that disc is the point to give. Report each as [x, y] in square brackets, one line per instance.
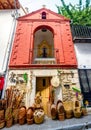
[22, 52]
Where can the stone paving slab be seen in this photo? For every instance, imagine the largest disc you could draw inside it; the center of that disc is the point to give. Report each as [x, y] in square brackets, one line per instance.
[83, 123]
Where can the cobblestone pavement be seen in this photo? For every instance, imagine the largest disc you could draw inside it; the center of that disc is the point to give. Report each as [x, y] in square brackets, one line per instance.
[83, 123]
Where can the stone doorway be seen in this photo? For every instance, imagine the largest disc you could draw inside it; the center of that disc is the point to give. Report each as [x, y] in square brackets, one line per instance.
[43, 87]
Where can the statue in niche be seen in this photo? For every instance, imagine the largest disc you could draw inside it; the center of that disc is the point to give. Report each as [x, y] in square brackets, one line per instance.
[44, 52]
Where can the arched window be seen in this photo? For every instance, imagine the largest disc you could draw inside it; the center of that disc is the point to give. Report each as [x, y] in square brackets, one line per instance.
[43, 15]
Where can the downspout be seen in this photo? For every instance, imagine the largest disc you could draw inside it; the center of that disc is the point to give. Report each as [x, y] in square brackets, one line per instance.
[9, 48]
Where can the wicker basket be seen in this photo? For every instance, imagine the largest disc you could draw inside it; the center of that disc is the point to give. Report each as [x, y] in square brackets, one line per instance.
[53, 111]
[22, 121]
[30, 121]
[84, 112]
[9, 122]
[38, 116]
[61, 116]
[2, 124]
[15, 115]
[60, 108]
[76, 104]
[22, 115]
[69, 114]
[77, 113]
[1, 114]
[38, 120]
[22, 112]
[29, 114]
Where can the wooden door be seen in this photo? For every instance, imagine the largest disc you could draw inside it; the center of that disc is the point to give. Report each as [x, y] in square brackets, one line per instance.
[42, 86]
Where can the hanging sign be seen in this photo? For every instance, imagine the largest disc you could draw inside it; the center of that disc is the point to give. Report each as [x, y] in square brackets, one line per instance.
[55, 81]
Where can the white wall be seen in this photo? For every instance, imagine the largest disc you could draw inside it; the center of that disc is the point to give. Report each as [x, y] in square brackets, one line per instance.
[83, 53]
[7, 24]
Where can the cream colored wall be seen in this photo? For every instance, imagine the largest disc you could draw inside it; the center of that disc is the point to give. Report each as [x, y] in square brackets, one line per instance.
[31, 85]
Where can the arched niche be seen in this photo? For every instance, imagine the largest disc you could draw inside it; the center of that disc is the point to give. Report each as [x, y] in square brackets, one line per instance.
[43, 42]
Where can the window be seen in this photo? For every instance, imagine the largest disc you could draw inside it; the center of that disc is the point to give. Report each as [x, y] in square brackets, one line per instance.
[44, 82]
[43, 15]
[84, 76]
[67, 86]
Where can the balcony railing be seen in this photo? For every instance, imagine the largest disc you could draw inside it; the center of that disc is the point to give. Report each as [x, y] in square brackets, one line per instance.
[44, 61]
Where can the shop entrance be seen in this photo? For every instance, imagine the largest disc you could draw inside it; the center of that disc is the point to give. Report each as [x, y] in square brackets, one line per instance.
[42, 87]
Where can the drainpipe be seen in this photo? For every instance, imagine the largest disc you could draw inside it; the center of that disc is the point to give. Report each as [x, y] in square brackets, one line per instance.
[8, 49]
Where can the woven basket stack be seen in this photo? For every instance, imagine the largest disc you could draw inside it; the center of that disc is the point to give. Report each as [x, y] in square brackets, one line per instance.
[38, 116]
[60, 110]
[29, 115]
[39, 112]
[22, 115]
[77, 109]
[53, 111]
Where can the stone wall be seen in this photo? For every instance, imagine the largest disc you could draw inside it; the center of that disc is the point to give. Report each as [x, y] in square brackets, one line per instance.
[64, 92]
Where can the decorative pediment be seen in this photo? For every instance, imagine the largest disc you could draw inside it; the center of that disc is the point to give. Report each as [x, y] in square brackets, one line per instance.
[39, 15]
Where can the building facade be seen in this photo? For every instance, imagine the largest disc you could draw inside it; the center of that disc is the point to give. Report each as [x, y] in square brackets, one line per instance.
[82, 44]
[10, 10]
[43, 58]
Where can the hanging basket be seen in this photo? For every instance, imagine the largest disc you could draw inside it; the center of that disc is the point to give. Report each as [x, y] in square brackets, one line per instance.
[55, 81]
